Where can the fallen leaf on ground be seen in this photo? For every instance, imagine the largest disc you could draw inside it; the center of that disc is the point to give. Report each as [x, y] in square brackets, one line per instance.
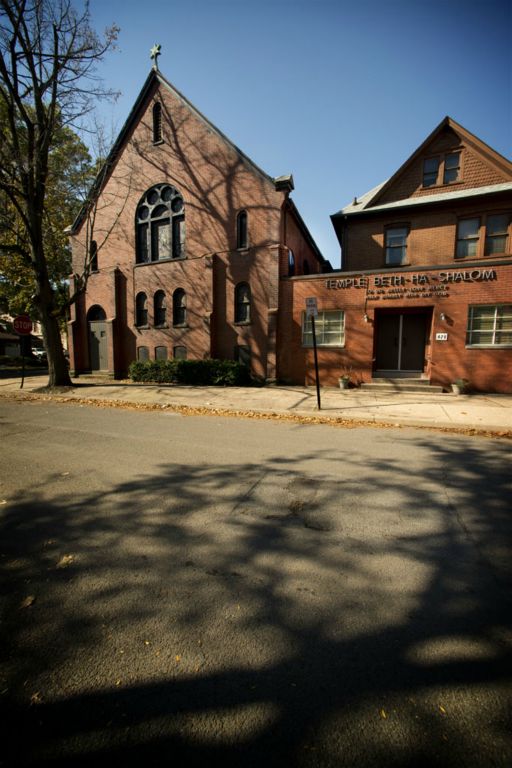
[383, 714]
[28, 601]
[65, 561]
[36, 698]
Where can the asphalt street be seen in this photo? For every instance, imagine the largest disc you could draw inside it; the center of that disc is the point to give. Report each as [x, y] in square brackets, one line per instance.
[190, 591]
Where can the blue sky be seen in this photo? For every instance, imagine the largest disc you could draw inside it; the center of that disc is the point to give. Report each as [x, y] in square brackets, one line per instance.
[337, 93]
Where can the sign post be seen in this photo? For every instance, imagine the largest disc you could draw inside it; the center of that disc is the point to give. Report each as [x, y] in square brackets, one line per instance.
[312, 312]
[23, 326]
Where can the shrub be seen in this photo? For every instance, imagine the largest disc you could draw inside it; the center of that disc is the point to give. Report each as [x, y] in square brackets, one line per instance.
[199, 372]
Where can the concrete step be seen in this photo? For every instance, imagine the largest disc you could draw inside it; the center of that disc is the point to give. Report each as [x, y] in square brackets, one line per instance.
[388, 386]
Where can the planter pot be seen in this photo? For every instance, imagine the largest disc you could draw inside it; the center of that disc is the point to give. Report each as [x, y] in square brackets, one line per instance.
[344, 383]
[457, 389]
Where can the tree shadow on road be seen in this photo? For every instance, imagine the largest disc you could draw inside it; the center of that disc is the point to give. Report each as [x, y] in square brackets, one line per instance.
[259, 616]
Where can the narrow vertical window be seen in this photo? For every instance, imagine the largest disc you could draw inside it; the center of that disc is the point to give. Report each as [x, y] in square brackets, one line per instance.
[159, 308]
[179, 307]
[242, 303]
[141, 310]
[305, 267]
[157, 122]
[178, 237]
[291, 263]
[93, 256]
[241, 230]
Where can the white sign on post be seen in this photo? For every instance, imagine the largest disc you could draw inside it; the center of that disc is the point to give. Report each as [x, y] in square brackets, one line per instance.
[311, 307]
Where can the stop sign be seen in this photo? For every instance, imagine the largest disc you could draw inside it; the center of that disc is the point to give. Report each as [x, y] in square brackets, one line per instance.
[22, 324]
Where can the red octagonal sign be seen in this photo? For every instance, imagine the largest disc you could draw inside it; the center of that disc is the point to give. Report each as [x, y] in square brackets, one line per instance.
[22, 324]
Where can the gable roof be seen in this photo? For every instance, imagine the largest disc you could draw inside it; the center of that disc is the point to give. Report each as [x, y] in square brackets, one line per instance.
[154, 79]
[500, 163]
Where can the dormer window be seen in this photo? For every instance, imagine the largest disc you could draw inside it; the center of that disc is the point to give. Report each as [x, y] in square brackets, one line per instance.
[430, 171]
[157, 123]
[451, 168]
[441, 169]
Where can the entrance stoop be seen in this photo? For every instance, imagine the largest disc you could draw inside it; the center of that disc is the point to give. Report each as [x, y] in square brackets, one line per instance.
[401, 384]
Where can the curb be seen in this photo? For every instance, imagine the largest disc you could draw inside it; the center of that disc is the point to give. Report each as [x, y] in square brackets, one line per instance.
[298, 417]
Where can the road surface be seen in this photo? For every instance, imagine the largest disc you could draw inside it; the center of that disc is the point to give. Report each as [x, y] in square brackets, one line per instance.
[187, 591]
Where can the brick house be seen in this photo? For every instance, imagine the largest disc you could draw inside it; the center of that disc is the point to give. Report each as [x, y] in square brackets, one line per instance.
[425, 288]
[189, 243]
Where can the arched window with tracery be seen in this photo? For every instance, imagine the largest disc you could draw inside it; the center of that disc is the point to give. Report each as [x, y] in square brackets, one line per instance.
[159, 308]
[179, 307]
[242, 303]
[141, 309]
[160, 225]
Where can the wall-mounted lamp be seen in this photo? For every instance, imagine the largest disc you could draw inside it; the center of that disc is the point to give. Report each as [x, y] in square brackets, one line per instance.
[442, 317]
[365, 317]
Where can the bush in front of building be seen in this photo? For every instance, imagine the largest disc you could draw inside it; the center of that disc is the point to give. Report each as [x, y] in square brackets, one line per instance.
[218, 373]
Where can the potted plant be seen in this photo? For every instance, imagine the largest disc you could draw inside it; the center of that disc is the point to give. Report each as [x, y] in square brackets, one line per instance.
[460, 386]
[344, 379]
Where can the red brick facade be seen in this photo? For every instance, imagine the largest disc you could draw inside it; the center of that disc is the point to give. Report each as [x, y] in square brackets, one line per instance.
[420, 315]
[215, 182]
[413, 318]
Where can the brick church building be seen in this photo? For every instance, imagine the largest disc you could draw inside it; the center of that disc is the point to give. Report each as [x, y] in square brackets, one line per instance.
[196, 252]
[190, 240]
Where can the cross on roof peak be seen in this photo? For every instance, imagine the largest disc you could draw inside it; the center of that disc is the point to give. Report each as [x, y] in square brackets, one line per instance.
[155, 53]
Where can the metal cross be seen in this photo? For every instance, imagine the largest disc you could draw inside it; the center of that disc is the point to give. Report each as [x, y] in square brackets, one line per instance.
[155, 53]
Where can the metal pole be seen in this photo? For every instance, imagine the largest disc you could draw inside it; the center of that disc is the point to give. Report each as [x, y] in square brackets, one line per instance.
[22, 348]
[316, 364]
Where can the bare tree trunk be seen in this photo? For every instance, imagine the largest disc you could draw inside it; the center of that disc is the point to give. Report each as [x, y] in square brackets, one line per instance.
[57, 363]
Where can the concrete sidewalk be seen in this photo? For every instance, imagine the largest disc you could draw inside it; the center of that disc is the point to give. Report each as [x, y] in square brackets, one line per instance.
[478, 412]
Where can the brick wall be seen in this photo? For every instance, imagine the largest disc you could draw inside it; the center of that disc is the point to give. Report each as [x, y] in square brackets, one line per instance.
[432, 235]
[475, 171]
[216, 182]
[487, 369]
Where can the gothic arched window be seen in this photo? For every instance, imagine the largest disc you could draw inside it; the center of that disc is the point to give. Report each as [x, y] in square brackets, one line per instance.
[157, 122]
[241, 230]
[159, 308]
[242, 303]
[160, 225]
[179, 307]
[141, 309]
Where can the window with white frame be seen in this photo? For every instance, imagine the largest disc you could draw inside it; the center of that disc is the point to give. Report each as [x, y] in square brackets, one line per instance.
[396, 245]
[489, 326]
[329, 329]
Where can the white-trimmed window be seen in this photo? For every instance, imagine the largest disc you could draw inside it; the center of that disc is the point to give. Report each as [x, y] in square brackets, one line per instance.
[442, 169]
[489, 326]
[329, 329]
[496, 233]
[468, 236]
[396, 245]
